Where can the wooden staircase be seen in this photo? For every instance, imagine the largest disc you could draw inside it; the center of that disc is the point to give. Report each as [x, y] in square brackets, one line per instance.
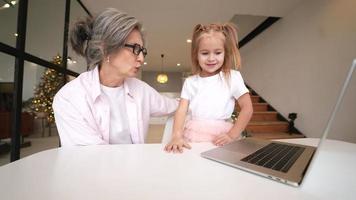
[266, 123]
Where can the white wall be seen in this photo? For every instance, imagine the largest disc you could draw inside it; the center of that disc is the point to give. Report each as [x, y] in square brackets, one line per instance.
[31, 79]
[7, 68]
[299, 64]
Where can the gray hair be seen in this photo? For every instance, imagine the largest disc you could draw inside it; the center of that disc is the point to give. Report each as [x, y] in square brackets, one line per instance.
[95, 38]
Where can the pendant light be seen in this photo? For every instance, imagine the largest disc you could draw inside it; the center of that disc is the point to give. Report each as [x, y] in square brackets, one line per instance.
[162, 77]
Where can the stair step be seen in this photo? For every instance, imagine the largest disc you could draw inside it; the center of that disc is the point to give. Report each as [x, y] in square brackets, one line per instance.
[255, 98]
[266, 123]
[264, 116]
[276, 135]
[267, 126]
[257, 107]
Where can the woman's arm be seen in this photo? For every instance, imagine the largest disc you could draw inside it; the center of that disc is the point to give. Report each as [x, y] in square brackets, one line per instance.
[243, 118]
[160, 105]
[177, 142]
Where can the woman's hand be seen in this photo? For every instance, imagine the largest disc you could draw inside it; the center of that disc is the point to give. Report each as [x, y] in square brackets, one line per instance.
[176, 145]
[222, 139]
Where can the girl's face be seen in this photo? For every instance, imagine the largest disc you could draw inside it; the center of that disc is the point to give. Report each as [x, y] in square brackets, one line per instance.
[125, 62]
[211, 53]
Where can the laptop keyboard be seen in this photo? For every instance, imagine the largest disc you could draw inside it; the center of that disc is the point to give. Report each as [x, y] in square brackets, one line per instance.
[279, 157]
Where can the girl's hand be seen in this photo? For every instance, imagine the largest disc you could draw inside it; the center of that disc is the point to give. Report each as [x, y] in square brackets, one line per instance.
[222, 139]
[176, 145]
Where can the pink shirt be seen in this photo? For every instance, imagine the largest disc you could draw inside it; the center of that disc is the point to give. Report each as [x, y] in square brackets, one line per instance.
[82, 110]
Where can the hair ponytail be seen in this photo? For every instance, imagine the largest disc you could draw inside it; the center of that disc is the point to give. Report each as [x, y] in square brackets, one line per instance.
[230, 32]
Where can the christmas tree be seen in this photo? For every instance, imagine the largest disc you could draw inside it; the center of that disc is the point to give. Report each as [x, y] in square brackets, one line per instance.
[51, 82]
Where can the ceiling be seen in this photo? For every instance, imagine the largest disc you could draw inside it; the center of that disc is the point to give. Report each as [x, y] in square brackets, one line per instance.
[168, 24]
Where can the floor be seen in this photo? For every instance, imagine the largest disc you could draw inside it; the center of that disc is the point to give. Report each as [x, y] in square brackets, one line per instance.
[39, 143]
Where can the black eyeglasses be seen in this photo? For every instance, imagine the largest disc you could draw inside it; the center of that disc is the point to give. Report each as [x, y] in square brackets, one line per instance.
[136, 49]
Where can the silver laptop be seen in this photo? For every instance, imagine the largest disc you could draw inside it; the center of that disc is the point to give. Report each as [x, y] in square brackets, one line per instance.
[280, 161]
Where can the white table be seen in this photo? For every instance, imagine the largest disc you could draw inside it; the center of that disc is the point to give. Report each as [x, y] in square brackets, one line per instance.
[147, 172]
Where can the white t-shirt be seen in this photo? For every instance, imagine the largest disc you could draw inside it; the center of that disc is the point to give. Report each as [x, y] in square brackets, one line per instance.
[211, 97]
[119, 127]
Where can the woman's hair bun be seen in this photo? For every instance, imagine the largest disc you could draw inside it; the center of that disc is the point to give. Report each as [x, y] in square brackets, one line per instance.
[80, 33]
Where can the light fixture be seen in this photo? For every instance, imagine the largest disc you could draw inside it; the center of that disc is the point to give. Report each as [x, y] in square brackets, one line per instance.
[8, 4]
[162, 77]
[145, 63]
[70, 60]
[189, 41]
[178, 64]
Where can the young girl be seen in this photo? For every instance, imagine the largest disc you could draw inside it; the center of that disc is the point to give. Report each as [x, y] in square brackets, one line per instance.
[209, 95]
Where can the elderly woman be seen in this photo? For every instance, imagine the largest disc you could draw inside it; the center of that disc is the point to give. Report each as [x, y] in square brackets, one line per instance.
[108, 105]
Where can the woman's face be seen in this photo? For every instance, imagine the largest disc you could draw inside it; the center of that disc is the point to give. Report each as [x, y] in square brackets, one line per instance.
[211, 53]
[124, 62]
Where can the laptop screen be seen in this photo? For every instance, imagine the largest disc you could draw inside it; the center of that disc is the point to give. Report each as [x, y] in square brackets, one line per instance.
[343, 127]
[341, 121]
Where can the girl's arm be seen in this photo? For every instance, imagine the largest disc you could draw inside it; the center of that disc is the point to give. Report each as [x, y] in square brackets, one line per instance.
[177, 142]
[242, 120]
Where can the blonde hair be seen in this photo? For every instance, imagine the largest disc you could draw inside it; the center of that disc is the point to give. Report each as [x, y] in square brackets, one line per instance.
[232, 59]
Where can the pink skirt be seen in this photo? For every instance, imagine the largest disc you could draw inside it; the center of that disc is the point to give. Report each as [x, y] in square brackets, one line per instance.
[202, 130]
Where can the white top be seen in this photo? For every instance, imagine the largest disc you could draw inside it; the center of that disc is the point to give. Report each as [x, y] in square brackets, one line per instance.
[211, 97]
[119, 125]
[145, 171]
